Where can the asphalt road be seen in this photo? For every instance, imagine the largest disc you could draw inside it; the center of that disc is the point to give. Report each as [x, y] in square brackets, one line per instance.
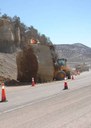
[48, 105]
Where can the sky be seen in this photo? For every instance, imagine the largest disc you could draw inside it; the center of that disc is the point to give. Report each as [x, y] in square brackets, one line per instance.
[63, 21]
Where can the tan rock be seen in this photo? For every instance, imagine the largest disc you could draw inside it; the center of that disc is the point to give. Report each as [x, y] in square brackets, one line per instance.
[6, 30]
[35, 61]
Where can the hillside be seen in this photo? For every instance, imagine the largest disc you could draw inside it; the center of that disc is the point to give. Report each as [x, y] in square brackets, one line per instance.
[74, 53]
[16, 35]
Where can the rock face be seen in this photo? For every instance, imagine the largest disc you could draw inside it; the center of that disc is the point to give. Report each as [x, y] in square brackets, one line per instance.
[17, 34]
[9, 36]
[6, 36]
[35, 61]
[6, 30]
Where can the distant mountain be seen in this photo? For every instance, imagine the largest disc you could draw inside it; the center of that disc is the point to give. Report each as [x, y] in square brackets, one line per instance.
[74, 53]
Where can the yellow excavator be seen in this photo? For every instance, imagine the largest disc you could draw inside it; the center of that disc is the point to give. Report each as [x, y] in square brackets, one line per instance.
[61, 70]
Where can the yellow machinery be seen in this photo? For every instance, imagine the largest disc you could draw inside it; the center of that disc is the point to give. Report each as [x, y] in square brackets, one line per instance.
[61, 70]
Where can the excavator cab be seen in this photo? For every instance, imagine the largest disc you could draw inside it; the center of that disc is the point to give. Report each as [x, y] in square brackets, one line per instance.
[62, 62]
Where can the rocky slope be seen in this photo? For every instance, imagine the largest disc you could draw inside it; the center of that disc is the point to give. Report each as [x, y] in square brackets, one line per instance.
[75, 53]
[8, 68]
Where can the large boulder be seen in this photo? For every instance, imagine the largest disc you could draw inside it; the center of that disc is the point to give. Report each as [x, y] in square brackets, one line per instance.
[35, 61]
[27, 65]
[45, 63]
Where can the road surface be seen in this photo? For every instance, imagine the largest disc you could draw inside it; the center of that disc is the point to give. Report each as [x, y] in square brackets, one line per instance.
[48, 105]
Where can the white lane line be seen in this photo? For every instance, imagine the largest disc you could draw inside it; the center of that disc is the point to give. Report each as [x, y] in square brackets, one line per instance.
[32, 102]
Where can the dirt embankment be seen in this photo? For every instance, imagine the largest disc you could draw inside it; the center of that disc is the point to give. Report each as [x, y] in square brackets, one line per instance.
[8, 67]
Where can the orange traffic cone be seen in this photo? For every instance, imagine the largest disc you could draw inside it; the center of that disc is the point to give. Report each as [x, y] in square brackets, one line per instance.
[65, 84]
[3, 93]
[33, 83]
